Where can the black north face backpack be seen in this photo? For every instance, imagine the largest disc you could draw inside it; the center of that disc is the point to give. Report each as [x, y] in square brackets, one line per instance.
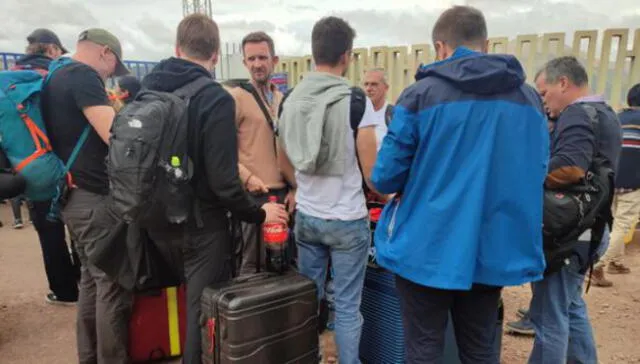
[148, 165]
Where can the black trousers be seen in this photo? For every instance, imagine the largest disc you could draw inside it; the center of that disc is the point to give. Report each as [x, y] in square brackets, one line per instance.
[207, 261]
[61, 267]
[425, 313]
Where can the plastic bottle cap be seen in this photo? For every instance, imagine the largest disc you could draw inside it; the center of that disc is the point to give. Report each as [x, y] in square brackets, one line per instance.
[175, 161]
[273, 199]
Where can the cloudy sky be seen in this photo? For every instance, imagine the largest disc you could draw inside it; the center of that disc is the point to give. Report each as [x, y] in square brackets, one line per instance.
[146, 27]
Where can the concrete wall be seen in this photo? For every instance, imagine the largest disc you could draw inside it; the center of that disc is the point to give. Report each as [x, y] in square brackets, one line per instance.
[611, 57]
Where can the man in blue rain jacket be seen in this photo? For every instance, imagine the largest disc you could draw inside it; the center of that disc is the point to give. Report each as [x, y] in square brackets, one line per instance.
[466, 155]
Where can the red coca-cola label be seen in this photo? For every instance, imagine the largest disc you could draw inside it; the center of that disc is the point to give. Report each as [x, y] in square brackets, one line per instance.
[275, 234]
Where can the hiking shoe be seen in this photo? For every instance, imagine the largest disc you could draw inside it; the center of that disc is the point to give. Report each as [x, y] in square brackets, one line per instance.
[52, 299]
[522, 313]
[618, 268]
[18, 225]
[522, 327]
[598, 279]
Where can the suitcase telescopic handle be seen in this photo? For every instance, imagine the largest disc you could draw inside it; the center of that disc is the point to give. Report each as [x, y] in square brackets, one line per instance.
[258, 248]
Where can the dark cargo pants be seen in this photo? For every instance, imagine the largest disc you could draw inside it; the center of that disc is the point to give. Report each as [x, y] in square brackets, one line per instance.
[104, 307]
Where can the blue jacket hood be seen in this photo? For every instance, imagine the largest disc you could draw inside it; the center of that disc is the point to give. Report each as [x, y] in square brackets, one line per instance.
[477, 73]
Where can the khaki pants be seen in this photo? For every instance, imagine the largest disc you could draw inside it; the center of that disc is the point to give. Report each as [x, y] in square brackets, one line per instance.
[104, 307]
[626, 210]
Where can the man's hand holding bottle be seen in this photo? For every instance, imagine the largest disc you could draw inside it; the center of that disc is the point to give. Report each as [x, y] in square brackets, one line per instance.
[276, 213]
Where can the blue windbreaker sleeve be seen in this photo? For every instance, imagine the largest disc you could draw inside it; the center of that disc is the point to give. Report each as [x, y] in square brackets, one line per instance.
[398, 148]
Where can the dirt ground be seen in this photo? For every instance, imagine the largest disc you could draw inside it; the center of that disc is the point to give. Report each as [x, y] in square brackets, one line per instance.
[32, 331]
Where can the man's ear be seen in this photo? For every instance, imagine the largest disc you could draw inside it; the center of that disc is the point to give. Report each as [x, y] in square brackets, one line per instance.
[214, 59]
[275, 59]
[485, 47]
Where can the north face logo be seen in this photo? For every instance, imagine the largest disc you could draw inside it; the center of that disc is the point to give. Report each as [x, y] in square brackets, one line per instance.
[135, 123]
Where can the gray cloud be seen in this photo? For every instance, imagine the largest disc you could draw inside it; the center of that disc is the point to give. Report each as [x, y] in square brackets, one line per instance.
[147, 27]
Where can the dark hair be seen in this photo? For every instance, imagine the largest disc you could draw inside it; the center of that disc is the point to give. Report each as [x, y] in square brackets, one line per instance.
[331, 37]
[567, 66]
[633, 97]
[259, 37]
[132, 85]
[460, 26]
[39, 49]
[198, 36]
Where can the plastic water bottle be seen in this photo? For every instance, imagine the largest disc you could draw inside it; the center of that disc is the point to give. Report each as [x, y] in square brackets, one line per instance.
[275, 237]
[177, 210]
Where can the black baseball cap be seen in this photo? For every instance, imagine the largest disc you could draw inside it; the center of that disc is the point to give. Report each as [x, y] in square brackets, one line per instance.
[45, 36]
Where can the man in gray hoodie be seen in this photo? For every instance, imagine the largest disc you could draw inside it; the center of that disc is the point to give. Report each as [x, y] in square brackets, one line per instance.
[318, 155]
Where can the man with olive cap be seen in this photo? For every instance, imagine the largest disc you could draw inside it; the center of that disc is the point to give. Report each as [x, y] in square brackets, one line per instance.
[74, 98]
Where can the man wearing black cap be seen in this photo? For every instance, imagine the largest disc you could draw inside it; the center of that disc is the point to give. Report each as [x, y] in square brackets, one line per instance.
[43, 47]
[75, 97]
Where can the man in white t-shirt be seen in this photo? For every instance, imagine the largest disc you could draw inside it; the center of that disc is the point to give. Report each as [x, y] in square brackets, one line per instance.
[318, 157]
[376, 86]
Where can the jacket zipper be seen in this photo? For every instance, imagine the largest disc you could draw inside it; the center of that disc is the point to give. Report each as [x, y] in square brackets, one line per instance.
[392, 223]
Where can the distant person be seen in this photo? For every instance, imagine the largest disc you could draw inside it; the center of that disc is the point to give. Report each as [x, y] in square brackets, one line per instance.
[376, 86]
[626, 204]
[43, 47]
[127, 88]
[469, 130]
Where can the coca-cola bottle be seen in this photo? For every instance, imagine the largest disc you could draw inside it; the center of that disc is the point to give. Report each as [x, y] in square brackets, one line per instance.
[275, 237]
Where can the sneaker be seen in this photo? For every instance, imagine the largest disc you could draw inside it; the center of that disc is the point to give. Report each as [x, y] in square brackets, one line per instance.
[522, 327]
[522, 313]
[598, 279]
[18, 225]
[52, 299]
[618, 268]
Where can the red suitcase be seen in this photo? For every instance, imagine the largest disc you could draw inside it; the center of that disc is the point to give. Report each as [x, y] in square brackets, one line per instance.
[158, 324]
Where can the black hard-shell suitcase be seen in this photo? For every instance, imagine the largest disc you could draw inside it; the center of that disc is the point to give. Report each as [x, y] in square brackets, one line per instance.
[265, 318]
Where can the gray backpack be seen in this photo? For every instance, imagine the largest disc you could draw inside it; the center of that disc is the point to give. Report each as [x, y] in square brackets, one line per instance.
[149, 168]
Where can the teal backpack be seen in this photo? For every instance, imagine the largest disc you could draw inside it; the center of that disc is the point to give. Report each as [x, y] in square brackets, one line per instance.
[23, 136]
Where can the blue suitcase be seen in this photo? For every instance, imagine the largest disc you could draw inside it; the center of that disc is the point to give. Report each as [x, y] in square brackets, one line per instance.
[382, 332]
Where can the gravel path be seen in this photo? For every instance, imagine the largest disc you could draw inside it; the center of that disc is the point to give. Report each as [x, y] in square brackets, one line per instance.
[32, 331]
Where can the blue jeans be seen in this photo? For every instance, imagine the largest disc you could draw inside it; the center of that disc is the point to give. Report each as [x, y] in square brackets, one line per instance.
[559, 315]
[347, 242]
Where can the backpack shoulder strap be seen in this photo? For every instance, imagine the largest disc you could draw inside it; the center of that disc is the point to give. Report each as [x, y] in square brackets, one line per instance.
[284, 97]
[252, 90]
[388, 114]
[192, 88]
[358, 106]
[595, 124]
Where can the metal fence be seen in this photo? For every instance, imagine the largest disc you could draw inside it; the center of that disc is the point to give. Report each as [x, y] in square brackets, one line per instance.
[138, 68]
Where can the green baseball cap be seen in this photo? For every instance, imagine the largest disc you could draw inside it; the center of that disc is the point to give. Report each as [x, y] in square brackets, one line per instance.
[105, 38]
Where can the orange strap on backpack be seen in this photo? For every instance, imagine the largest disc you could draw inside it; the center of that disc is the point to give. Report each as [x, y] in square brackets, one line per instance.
[37, 135]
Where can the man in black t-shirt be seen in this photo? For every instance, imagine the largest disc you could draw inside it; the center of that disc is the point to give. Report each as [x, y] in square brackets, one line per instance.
[74, 98]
